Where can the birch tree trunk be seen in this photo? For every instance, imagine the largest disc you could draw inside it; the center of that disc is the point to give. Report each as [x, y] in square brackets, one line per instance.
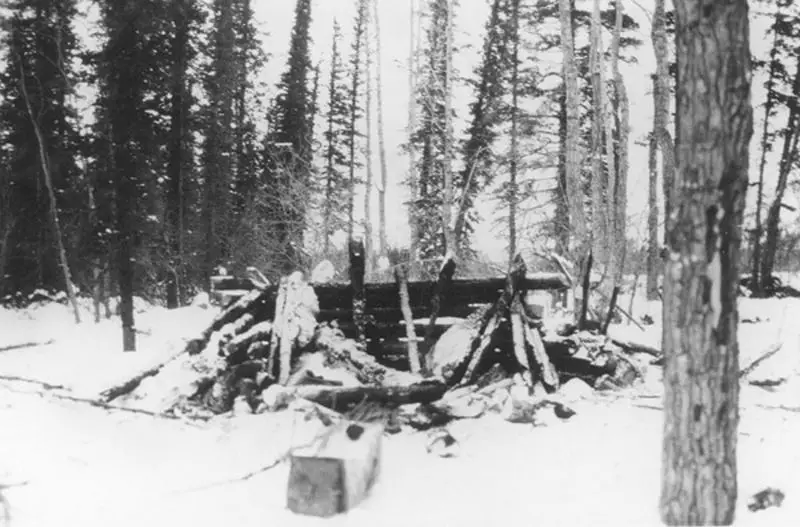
[382, 242]
[700, 317]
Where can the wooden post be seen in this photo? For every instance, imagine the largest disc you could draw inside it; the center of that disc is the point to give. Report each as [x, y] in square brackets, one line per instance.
[585, 300]
[357, 269]
[442, 285]
[401, 277]
[278, 325]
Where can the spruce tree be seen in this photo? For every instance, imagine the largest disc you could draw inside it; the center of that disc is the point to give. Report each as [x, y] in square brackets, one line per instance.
[335, 183]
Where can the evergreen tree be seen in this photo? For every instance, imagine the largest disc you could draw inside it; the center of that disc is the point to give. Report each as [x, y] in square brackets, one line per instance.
[39, 77]
[185, 27]
[433, 134]
[290, 147]
[334, 183]
[355, 110]
[489, 88]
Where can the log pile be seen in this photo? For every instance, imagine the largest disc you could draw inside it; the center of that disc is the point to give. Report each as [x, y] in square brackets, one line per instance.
[391, 344]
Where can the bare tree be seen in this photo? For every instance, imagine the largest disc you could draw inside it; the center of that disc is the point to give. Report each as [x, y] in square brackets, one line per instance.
[512, 184]
[600, 233]
[368, 252]
[447, 199]
[572, 162]
[382, 243]
[700, 318]
[619, 189]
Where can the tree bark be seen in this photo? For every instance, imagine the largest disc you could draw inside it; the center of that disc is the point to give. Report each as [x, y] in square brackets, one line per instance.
[382, 240]
[700, 317]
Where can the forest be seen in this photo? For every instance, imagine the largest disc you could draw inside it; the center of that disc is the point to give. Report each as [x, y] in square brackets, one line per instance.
[581, 154]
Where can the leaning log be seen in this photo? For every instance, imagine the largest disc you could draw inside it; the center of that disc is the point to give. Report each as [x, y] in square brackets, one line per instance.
[442, 285]
[258, 304]
[343, 398]
[400, 274]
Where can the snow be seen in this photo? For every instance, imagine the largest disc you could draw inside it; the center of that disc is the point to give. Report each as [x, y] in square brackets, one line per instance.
[87, 466]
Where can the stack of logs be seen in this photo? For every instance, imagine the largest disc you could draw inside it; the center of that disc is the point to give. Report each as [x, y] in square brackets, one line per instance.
[367, 328]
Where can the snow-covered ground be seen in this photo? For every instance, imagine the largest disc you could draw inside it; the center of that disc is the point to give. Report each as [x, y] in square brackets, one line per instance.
[87, 466]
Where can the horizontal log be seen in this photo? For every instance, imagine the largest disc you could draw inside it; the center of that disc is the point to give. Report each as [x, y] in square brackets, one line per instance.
[341, 398]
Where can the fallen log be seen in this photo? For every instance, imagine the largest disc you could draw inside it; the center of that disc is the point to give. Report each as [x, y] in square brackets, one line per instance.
[342, 399]
[23, 345]
[106, 396]
[239, 345]
[43, 384]
[769, 352]
[256, 303]
[401, 278]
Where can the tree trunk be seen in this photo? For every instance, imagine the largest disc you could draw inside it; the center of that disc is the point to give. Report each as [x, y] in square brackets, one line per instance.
[654, 262]
[661, 110]
[573, 143]
[512, 183]
[353, 118]
[450, 244]
[700, 317]
[175, 204]
[618, 200]
[382, 241]
[600, 233]
[368, 252]
[755, 281]
[788, 157]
